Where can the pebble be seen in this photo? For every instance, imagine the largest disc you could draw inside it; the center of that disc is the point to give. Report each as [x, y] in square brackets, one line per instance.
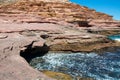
[3, 36]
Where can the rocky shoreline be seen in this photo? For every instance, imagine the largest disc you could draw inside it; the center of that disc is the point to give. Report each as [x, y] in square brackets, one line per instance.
[29, 34]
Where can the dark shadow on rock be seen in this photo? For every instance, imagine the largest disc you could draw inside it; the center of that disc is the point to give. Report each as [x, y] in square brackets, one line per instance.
[111, 49]
[31, 53]
[81, 23]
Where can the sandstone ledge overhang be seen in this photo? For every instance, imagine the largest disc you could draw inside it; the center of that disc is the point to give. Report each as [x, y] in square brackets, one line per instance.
[18, 30]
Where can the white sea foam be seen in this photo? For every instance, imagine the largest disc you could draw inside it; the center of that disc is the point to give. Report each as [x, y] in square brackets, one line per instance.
[99, 67]
[117, 39]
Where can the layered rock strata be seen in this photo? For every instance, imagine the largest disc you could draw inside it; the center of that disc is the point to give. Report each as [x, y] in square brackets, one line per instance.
[28, 28]
[55, 10]
[60, 1]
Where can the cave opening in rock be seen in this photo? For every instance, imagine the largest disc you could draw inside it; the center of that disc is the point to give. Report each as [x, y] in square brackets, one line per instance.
[81, 23]
[31, 52]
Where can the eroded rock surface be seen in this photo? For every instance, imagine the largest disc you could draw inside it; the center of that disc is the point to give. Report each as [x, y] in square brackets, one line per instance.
[25, 26]
[12, 66]
[57, 11]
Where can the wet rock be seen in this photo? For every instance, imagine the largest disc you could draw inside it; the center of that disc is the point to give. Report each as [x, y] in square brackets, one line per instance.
[58, 75]
[79, 78]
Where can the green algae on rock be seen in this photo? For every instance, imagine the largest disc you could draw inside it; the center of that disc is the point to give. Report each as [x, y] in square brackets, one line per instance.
[57, 75]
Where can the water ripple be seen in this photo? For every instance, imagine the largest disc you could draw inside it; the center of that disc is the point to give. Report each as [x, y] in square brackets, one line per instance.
[99, 67]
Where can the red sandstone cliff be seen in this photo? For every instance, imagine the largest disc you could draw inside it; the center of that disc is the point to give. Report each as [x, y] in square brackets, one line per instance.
[56, 10]
[31, 25]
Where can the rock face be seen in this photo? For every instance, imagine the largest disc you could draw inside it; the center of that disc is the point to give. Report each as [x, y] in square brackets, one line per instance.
[11, 1]
[12, 66]
[7, 1]
[61, 1]
[31, 28]
[60, 11]
[104, 23]
[57, 10]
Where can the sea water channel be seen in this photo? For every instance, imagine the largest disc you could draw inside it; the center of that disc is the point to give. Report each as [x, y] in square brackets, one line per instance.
[99, 67]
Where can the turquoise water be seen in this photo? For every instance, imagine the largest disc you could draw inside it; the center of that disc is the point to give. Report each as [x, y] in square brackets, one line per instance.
[115, 37]
[99, 67]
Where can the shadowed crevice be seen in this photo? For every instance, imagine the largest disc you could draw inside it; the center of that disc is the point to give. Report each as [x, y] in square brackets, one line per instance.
[31, 53]
[81, 23]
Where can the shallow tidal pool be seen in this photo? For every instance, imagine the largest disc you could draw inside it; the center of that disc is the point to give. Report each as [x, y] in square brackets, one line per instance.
[115, 37]
[99, 67]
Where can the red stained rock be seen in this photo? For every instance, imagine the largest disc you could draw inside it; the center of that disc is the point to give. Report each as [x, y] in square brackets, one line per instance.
[22, 24]
[12, 66]
[39, 43]
[14, 27]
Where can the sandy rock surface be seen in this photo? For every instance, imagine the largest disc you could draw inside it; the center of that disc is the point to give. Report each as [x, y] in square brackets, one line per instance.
[22, 30]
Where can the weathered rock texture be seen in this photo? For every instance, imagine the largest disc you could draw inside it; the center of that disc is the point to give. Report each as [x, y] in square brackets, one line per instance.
[12, 66]
[29, 28]
[55, 10]
[58, 76]
[61, 1]
[7, 1]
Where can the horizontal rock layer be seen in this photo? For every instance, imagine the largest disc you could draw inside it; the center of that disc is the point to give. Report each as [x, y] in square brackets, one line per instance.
[56, 10]
[19, 32]
[38, 27]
